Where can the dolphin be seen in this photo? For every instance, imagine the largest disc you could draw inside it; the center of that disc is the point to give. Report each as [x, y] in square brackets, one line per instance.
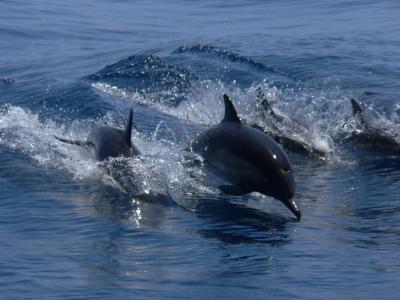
[108, 141]
[370, 132]
[294, 135]
[248, 158]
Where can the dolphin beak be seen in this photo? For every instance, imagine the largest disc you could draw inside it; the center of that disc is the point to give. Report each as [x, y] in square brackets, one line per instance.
[284, 192]
[293, 207]
[288, 194]
[285, 198]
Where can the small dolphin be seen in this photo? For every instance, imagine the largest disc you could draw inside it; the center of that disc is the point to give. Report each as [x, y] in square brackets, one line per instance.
[370, 132]
[248, 158]
[108, 141]
[296, 136]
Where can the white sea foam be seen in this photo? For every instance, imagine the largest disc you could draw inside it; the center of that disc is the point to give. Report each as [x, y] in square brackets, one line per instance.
[23, 131]
[160, 166]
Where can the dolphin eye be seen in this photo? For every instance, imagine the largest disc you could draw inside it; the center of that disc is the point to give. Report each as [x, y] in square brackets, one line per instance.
[286, 170]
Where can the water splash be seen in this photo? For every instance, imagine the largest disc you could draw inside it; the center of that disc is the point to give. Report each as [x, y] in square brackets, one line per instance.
[147, 74]
[205, 107]
[222, 53]
[163, 166]
[23, 131]
[317, 117]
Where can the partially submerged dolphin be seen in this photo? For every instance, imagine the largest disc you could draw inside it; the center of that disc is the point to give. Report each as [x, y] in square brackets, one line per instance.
[289, 132]
[248, 158]
[108, 141]
[370, 132]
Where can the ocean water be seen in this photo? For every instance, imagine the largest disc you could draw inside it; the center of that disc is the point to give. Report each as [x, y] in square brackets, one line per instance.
[73, 228]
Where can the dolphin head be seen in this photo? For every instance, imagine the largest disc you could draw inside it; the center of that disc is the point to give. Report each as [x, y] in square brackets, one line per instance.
[277, 180]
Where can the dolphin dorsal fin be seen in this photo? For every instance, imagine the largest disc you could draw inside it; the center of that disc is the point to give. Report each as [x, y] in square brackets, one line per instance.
[230, 111]
[263, 100]
[128, 129]
[356, 107]
[358, 112]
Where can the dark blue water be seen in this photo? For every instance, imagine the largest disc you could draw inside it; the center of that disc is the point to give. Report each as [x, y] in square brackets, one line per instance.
[72, 228]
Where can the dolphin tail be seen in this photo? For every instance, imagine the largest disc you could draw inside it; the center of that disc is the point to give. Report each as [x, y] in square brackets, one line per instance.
[128, 129]
[72, 142]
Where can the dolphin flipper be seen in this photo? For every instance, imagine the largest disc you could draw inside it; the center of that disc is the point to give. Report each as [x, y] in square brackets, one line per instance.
[72, 142]
[236, 190]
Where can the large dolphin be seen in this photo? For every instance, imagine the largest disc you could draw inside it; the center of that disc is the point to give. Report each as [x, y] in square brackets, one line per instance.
[370, 131]
[288, 131]
[248, 158]
[108, 141]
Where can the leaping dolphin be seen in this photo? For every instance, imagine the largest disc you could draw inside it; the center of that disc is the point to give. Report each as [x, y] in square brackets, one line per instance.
[248, 158]
[108, 141]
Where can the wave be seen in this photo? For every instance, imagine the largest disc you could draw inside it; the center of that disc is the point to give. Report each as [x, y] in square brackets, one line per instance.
[224, 54]
[146, 74]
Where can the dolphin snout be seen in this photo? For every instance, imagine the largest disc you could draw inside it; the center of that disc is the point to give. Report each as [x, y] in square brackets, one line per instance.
[293, 207]
[288, 191]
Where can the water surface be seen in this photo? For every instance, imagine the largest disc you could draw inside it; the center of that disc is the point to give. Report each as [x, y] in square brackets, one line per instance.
[70, 230]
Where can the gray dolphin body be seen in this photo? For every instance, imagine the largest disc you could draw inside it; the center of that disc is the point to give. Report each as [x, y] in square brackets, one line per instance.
[108, 141]
[295, 137]
[370, 133]
[112, 142]
[248, 158]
